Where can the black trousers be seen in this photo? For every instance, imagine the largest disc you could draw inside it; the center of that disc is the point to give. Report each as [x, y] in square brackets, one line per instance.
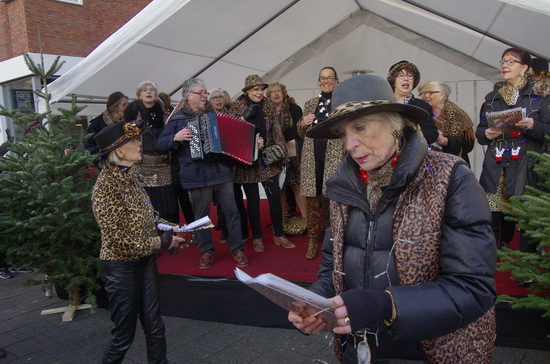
[133, 290]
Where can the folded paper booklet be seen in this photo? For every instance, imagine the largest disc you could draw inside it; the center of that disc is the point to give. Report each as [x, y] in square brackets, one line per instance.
[506, 120]
[290, 296]
[202, 223]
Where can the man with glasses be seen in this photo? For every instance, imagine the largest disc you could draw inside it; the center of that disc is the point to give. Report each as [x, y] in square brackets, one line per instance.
[403, 78]
[206, 180]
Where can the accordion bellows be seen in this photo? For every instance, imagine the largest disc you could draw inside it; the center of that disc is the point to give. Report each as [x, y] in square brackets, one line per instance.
[216, 134]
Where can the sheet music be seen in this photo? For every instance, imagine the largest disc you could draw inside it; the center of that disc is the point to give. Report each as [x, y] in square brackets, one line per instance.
[202, 223]
[505, 120]
[290, 296]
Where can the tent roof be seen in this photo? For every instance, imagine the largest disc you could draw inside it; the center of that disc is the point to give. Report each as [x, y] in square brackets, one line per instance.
[223, 42]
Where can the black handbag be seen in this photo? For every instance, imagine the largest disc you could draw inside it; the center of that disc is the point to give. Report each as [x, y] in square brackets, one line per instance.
[273, 153]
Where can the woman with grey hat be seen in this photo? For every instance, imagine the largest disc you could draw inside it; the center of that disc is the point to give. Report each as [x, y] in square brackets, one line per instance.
[129, 237]
[410, 257]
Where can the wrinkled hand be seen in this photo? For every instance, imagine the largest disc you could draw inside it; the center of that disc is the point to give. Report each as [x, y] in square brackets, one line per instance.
[176, 239]
[303, 320]
[308, 119]
[442, 140]
[341, 313]
[260, 143]
[492, 133]
[526, 124]
[184, 135]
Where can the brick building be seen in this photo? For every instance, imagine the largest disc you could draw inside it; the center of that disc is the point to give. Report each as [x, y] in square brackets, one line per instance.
[69, 28]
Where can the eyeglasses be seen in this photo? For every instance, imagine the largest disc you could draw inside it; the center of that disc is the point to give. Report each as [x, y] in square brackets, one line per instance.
[509, 62]
[276, 91]
[215, 97]
[537, 77]
[405, 75]
[329, 78]
[428, 93]
[201, 93]
[146, 89]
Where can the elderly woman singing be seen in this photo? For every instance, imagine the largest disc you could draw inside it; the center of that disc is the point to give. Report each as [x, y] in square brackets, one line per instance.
[410, 258]
[128, 240]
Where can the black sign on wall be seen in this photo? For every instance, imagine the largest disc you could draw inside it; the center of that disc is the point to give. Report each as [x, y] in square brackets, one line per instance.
[23, 100]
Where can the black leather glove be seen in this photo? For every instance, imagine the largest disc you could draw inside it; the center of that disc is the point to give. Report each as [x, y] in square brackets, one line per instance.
[250, 113]
[367, 307]
[166, 238]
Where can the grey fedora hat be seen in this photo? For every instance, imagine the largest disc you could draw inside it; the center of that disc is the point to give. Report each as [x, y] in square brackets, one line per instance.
[363, 94]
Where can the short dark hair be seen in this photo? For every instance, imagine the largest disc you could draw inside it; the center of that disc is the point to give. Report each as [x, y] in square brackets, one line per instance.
[330, 68]
[524, 56]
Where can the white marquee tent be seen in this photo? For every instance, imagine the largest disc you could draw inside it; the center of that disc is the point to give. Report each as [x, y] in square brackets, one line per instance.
[456, 41]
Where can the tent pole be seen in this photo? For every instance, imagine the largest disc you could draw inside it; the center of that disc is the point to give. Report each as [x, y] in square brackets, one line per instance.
[471, 27]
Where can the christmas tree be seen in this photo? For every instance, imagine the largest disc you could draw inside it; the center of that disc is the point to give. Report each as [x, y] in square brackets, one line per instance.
[47, 221]
[531, 211]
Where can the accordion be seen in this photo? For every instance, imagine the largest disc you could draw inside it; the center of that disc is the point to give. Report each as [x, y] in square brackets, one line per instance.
[217, 134]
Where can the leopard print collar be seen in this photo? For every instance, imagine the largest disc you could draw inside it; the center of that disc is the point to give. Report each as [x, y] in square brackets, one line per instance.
[510, 94]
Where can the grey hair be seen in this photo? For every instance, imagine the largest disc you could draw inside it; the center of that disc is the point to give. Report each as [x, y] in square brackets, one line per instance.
[394, 120]
[189, 85]
[442, 86]
[142, 84]
[110, 159]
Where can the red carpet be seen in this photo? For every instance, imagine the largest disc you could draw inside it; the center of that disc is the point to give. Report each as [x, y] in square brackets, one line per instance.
[289, 264]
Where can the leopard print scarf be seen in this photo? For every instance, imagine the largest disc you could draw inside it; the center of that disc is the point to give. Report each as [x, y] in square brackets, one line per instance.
[107, 118]
[457, 122]
[285, 117]
[510, 94]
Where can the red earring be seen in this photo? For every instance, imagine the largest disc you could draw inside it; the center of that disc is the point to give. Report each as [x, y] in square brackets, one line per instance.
[394, 159]
[363, 176]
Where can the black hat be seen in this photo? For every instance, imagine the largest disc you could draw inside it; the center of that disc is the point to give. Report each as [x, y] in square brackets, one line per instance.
[116, 135]
[114, 98]
[539, 66]
[363, 94]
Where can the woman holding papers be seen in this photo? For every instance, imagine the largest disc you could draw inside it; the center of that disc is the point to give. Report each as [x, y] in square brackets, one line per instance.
[507, 168]
[128, 240]
[410, 256]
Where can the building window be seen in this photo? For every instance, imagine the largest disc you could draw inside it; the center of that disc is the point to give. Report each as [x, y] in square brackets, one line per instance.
[77, 2]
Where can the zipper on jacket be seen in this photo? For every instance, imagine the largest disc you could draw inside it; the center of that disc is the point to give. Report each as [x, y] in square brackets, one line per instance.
[369, 254]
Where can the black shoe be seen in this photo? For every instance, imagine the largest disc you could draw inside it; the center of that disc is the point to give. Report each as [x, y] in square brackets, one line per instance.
[21, 270]
[290, 212]
[5, 273]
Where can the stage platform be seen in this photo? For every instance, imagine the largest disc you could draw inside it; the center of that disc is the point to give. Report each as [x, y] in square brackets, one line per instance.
[214, 294]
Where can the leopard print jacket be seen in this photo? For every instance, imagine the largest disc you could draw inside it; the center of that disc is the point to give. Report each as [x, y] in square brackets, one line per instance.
[125, 216]
[333, 156]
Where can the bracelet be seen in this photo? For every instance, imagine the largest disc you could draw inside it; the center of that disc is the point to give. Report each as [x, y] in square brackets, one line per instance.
[393, 310]
[174, 139]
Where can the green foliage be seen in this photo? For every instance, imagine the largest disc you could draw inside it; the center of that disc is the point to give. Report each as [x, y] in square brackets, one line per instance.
[47, 221]
[531, 212]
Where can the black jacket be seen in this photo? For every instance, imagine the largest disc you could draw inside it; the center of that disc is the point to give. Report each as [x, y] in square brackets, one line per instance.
[193, 174]
[464, 288]
[429, 130]
[518, 171]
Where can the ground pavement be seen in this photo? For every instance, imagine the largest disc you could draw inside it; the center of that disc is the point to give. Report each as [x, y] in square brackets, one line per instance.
[29, 337]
